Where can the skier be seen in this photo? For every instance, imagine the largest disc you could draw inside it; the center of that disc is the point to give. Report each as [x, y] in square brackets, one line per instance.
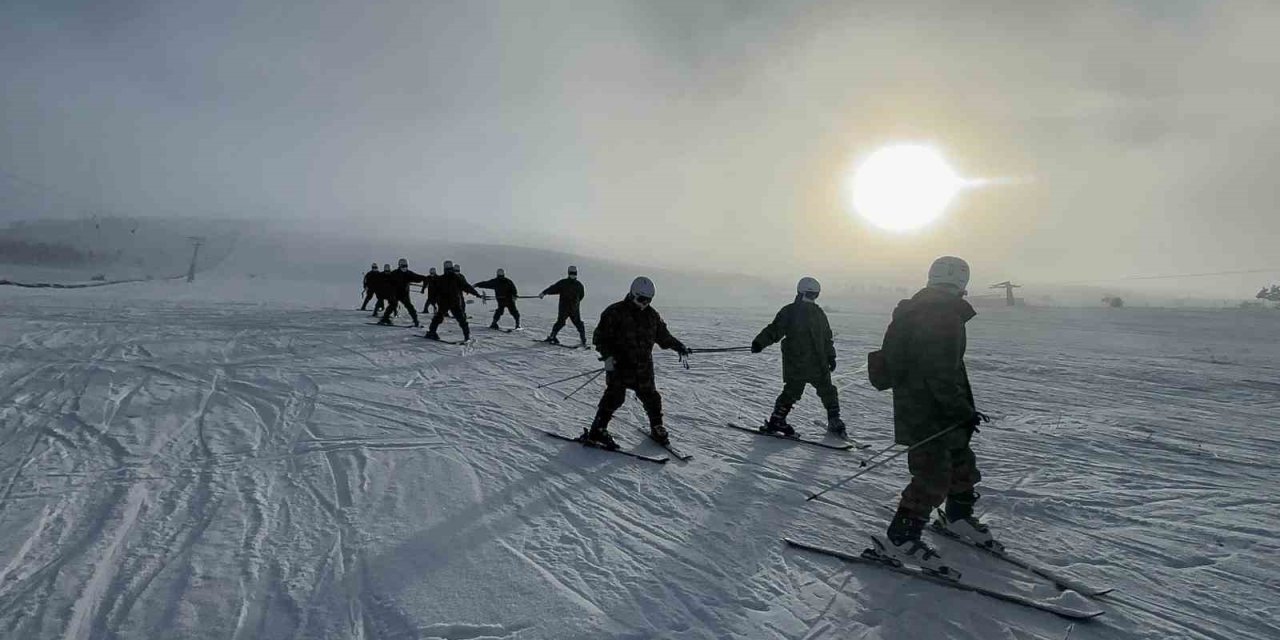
[625, 337]
[383, 289]
[450, 287]
[369, 277]
[398, 291]
[925, 346]
[808, 357]
[505, 292]
[571, 293]
[428, 286]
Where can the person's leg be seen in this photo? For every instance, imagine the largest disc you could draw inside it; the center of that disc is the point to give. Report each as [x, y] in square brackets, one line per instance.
[436, 320]
[408, 304]
[615, 393]
[791, 392]
[515, 313]
[930, 467]
[576, 316]
[461, 316]
[555, 328]
[964, 477]
[830, 397]
[368, 295]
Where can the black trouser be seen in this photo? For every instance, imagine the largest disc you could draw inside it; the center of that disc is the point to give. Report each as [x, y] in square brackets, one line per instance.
[431, 302]
[401, 297]
[793, 389]
[368, 295]
[576, 317]
[506, 304]
[615, 394]
[458, 314]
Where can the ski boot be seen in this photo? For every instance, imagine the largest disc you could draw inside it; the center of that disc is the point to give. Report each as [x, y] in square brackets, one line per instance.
[416, 325]
[599, 437]
[835, 427]
[431, 335]
[778, 426]
[777, 423]
[494, 326]
[385, 322]
[958, 521]
[659, 434]
[552, 340]
[903, 545]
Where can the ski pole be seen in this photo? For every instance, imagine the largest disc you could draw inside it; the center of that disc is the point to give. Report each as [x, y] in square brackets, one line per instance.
[886, 460]
[584, 385]
[574, 377]
[720, 350]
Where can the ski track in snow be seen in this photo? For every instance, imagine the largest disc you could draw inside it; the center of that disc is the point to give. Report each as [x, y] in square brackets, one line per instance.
[206, 470]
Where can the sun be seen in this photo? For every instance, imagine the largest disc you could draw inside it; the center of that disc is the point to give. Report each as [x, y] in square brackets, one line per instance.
[903, 187]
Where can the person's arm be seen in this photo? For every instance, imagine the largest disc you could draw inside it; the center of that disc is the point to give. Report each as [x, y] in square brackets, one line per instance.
[604, 338]
[941, 363]
[486, 284]
[829, 341]
[668, 341]
[771, 333]
[553, 290]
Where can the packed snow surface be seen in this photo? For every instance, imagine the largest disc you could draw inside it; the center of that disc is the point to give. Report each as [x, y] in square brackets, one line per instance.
[179, 462]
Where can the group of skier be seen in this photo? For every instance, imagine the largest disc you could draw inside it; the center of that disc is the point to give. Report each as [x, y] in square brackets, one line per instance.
[921, 360]
[445, 294]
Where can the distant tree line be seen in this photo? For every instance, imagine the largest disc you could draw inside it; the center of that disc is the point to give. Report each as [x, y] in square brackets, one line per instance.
[40, 253]
[1272, 294]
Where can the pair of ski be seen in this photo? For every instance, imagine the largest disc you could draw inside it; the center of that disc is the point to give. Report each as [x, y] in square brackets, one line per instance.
[845, 446]
[875, 555]
[679, 455]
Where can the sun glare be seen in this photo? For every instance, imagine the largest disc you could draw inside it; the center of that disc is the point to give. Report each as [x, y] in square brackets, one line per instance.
[903, 187]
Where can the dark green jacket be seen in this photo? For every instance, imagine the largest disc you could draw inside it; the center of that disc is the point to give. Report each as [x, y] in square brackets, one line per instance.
[925, 349]
[628, 334]
[808, 353]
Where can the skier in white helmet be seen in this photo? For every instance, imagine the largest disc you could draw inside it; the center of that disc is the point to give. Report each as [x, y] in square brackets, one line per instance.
[625, 337]
[808, 358]
[398, 292]
[924, 350]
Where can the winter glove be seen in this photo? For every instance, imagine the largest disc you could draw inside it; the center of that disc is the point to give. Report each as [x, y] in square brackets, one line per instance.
[833, 365]
[541, 296]
[609, 364]
[756, 347]
[681, 349]
[977, 419]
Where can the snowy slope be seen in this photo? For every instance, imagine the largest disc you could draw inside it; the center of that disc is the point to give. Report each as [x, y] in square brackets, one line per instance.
[209, 461]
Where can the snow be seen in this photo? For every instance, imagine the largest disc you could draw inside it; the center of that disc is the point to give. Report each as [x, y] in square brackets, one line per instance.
[250, 459]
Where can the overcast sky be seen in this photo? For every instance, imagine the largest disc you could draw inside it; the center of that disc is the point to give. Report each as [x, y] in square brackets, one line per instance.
[1142, 137]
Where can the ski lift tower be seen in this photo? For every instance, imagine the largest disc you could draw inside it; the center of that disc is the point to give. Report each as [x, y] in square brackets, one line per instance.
[196, 241]
[1008, 290]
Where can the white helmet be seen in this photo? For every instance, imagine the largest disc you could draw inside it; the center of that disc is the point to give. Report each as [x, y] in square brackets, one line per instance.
[808, 285]
[642, 287]
[404, 264]
[951, 271]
